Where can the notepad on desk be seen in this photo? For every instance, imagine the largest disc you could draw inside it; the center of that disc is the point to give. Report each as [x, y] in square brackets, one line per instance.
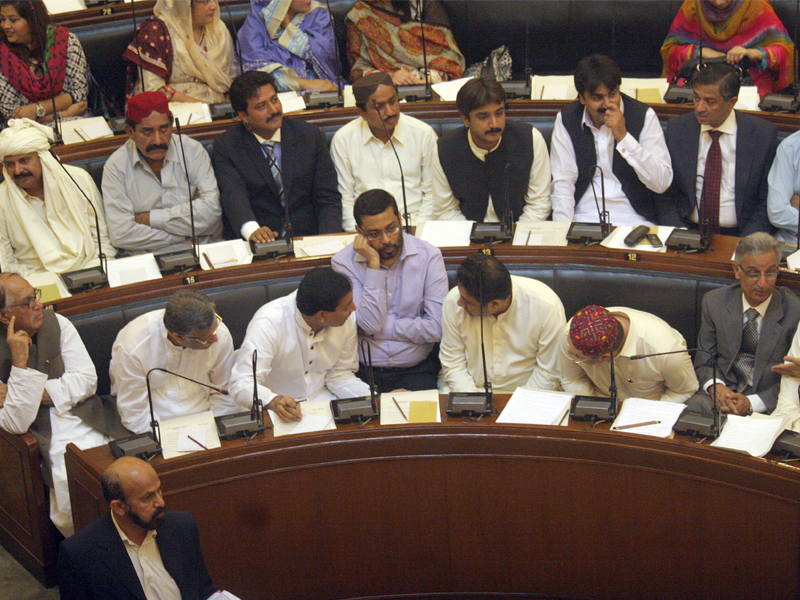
[536, 407]
[446, 234]
[317, 416]
[171, 433]
[225, 254]
[754, 435]
[648, 417]
[399, 408]
[132, 269]
[541, 233]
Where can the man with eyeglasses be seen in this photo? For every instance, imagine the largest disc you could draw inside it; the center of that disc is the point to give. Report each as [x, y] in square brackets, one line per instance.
[399, 285]
[50, 381]
[595, 332]
[750, 325]
[187, 338]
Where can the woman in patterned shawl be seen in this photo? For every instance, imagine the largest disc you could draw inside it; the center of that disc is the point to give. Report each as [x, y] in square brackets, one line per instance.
[294, 41]
[39, 62]
[185, 51]
[734, 29]
[386, 35]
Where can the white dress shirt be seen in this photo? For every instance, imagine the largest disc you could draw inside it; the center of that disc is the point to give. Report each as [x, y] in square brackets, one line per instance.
[727, 190]
[649, 158]
[669, 377]
[143, 345]
[784, 182]
[363, 162]
[294, 361]
[537, 197]
[521, 343]
[788, 401]
[25, 390]
[756, 402]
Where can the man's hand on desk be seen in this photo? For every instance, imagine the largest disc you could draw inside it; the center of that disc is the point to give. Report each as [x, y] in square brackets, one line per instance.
[287, 408]
[263, 235]
[615, 121]
[362, 247]
[724, 398]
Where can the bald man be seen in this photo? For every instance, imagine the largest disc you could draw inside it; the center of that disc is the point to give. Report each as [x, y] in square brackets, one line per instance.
[137, 550]
[49, 384]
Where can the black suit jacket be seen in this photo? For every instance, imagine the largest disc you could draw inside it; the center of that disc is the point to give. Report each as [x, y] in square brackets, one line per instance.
[756, 142]
[247, 190]
[93, 564]
[721, 331]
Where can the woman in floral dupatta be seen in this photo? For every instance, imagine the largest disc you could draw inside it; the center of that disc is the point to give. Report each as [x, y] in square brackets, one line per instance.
[39, 63]
[384, 35]
[734, 29]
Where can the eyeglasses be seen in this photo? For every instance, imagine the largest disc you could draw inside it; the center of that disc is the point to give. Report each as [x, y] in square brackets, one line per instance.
[373, 236]
[206, 341]
[30, 301]
[770, 275]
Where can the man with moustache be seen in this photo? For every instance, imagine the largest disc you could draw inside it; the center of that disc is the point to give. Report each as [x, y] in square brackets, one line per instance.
[607, 142]
[145, 190]
[721, 159]
[748, 328]
[138, 549]
[364, 156]
[46, 223]
[267, 160]
[490, 166]
[399, 285]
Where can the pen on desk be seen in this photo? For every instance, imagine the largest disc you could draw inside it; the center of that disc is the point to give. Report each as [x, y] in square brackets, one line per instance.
[196, 442]
[398, 408]
[208, 260]
[632, 425]
[528, 241]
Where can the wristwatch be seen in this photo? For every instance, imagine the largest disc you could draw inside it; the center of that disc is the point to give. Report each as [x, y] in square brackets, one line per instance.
[40, 111]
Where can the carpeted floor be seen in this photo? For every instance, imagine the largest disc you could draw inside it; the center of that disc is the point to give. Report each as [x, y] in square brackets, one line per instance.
[17, 584]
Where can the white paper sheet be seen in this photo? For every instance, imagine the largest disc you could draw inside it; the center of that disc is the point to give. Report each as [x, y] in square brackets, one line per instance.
[448, 90]
[446, 234]
[541, 233]
[170, 432]
[84, 130]
[748, 98]
[536, 407]
[756, 436]
[390, 415]
[317, 416]
[553, 87]
[225, 254]
[190, 438]
[321, 245]
[630, 85]
[639, 410]
[55, 7]
[793, 260]
[292, 102]
[349, 98]
[190, 113]
[617, 237]
[132, 269]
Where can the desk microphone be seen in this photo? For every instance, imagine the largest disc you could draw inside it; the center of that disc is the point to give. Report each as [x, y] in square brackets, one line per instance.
[406, 216]
[59, 140]
[86, 279]
[361, 409]
[244, 424]
[496, 233]
[683, 240]
[693, 422]
[421, 16]
[320, 99]
[180, 260]
[474, 404]
[593, 233]
[597, 408]
[278, 247]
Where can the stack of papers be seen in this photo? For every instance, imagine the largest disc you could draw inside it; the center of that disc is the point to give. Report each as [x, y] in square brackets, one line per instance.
[534, 407]
[755, 435]
[446, 234]
[175, 434]
[399, 408]
[190, 113]
[292, 102]
[84, 130]
[648, 417]
[553, 87]
[133, 269]
[225, 254]
[321, 245]
[541, 233]
[448, 90]
[317, 416]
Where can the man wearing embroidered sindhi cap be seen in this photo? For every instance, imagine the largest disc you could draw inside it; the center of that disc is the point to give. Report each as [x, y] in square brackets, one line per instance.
[145, 190]
[595, 332]
[45, 222]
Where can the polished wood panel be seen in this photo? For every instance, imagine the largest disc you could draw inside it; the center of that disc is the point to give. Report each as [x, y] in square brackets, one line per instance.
[469, 508]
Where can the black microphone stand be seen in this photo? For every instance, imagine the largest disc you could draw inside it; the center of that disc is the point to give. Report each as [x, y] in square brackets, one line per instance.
[329, 99]
[86, 279]
[278, 247]
[496, 233]
[406, 216]
[247, 424]
[142, 445]
[596, 408]
[683, 240]
[361, 409]
[593, 233]
[180, 260]
[421, 16]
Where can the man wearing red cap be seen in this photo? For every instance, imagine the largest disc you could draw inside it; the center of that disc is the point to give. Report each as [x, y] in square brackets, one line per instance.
[595, 332]
[145, 191]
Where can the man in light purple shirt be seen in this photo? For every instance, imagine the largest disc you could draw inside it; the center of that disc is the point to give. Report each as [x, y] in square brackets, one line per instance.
[399, 285]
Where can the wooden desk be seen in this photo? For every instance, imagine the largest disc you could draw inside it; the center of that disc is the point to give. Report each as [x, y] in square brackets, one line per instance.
[462, 508]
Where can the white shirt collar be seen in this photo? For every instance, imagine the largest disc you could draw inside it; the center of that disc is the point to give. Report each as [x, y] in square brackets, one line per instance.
[728, 125]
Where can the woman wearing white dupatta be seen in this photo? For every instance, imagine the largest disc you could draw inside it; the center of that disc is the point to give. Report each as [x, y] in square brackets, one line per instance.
[55, 232]
[185, 51]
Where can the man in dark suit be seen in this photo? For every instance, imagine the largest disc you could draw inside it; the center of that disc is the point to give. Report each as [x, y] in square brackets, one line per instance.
[266, 159]
[120, 557]
[750, 325]
[720, 160]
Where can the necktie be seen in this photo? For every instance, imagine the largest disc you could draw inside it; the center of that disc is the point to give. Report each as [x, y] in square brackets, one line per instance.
[712, 180]
[273, 166]
[744, 363]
